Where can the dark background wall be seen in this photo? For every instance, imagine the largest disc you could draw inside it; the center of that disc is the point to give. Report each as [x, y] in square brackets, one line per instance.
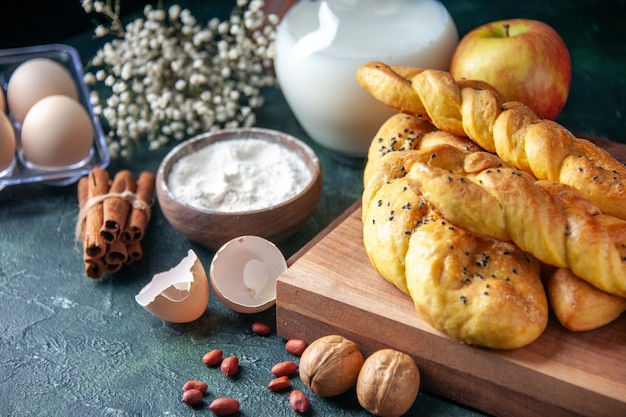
[36, 22]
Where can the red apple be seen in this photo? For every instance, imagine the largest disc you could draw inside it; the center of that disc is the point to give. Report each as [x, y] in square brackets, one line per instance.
[525, 59]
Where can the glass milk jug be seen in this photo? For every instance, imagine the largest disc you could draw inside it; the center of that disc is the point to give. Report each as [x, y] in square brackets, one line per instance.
[321, 44]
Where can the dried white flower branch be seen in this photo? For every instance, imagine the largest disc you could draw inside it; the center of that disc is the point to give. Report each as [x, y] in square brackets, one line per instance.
[166, 77]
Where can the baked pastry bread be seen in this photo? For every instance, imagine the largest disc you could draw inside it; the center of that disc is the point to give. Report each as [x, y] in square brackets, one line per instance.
[474, 288]
[385, 173]
[464, 196]
[479, 290]
[384, 184]
[402, 132]
[553, 221]
[578, 305]
[512, 130]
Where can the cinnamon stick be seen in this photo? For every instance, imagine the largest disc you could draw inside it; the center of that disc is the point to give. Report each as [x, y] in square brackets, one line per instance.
[116, 253]
[94, 267]
[97, 183]
[140, 213]
[113, 218]
[112, 268]
[135, 252]
[116, 209]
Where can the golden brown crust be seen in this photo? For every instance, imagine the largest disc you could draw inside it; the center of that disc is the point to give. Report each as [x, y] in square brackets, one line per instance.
[480, 192]
[402, 132]
[459, 224]
[390, 87]
[478, 290]
[479, 108]
[399, 133]
[550, 220]
[595, 242]
[441, 98]
[390, 213]
[512, 130]
[578, 305]
[598, 175]
[396, 220]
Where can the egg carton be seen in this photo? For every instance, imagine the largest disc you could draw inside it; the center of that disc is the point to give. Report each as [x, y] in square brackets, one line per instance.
[21, 171]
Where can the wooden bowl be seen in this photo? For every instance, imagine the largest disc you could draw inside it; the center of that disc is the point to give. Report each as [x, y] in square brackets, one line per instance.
[212, 228]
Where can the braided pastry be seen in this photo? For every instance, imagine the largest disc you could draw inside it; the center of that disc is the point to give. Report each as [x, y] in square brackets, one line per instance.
[474, 288]
[578, 305]
[512, 130]
[383, 179]
[553, 221]
[402, 132]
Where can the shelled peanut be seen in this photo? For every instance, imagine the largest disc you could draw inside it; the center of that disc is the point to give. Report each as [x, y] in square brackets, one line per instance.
[386, 382]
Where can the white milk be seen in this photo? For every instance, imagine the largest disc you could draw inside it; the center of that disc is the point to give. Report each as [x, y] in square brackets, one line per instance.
[321, 44]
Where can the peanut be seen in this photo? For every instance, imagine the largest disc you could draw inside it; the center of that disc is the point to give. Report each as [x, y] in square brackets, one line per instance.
[212, 358]
[230, 366]
[299, 402]
[279, 384]
[224, 406]
[260, 329]
[194, 384]
[295, 346]
[192, 397]
[284, 368]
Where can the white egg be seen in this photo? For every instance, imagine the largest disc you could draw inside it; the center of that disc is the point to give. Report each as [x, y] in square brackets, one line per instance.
[179, 295]
[7, 143]
[244, 271]
[56, 132]
[35, 79]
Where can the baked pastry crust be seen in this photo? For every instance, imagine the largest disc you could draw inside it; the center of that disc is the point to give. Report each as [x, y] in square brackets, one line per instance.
[459, 168]
[578, 305]
[550, 220]
[511, 130]
[386, 193]
[475, 289]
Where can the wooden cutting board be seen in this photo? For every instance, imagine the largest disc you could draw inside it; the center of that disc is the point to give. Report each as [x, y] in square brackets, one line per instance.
[331, 288]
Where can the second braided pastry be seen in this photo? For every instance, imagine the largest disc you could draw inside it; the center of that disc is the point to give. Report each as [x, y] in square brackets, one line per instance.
[476, 110]
[552, 221]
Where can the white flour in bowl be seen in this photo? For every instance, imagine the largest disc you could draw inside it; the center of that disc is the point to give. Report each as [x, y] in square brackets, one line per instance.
[238, 175]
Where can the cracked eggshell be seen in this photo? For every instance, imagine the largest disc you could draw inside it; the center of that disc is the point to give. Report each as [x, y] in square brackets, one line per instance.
[179, 295]
[244, 271]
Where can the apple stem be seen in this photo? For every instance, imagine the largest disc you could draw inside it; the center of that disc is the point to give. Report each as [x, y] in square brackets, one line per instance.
[506, 30]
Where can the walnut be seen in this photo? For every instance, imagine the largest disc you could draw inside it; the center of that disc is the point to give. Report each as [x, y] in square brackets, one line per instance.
[330, 365]
[388, 383]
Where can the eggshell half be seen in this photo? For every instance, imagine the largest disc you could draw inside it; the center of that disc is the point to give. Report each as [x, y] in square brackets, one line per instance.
[244, 271]
[179, 295]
